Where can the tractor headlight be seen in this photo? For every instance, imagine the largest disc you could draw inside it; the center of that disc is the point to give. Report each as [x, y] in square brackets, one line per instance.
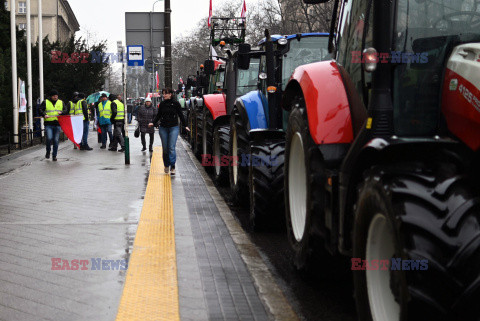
[262, 76]
[370, 57]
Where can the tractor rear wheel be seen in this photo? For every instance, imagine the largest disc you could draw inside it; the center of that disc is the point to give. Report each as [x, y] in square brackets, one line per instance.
[304, 189]
[267, 206]
[407, 212]
[220, 152]
[207, 137]
[239, 147]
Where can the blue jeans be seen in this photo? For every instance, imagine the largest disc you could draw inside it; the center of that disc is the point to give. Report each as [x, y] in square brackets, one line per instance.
[129, 118]
[53, 133]
[86, 127]
[110, 134]
[169, 136]
[103, 135]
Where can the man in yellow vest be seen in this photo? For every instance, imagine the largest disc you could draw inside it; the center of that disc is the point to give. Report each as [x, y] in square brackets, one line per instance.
[50, 109]
[104, 116]
[81, 108]
[118, 119]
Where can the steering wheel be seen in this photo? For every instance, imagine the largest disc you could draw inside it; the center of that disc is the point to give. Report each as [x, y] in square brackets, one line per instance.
[448, 17]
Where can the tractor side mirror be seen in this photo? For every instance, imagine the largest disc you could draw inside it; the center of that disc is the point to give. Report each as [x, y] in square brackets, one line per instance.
[244, 56]
[209, 67]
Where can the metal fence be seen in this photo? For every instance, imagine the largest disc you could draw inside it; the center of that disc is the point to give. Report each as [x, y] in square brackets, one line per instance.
[26, 138]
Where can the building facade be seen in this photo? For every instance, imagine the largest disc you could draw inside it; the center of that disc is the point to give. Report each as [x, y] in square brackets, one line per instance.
[59, 21]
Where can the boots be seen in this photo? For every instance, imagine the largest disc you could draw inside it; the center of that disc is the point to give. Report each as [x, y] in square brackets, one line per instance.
[144, 148]
[150, 149]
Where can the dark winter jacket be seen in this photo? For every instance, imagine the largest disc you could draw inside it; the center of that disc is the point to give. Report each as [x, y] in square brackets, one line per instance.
[168, 113]
[145, 116]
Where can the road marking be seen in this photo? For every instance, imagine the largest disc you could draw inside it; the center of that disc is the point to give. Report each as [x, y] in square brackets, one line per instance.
[151, 288]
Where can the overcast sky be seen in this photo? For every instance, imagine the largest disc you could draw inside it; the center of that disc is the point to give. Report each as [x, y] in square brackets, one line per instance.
[105, 19]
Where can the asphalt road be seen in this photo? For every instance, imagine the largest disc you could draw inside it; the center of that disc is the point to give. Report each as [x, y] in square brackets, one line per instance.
[313, 296]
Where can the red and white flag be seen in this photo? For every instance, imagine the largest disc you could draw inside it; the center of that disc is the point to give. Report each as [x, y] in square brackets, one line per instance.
[72, 126]
[244, 9]
[210, 15]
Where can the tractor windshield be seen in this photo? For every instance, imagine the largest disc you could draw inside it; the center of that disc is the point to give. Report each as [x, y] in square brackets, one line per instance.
[248, 79]
[301, 52]
[426, 31]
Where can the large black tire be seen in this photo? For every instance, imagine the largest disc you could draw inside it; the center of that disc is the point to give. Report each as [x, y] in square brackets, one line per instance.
[221, 135]
[207, 137]
[197, 148]
[429, 217]
[266, 181]
[238, 170]
[304, 172]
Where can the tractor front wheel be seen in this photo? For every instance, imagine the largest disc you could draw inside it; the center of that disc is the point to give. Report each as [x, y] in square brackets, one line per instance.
[220, 154]
[267, 206]
[239, 152]
[420, 237]
[304, 189]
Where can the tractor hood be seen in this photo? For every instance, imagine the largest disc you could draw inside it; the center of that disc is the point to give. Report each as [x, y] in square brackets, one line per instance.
[461, 94]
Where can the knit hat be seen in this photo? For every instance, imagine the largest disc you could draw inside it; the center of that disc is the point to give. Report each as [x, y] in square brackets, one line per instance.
[52, 92]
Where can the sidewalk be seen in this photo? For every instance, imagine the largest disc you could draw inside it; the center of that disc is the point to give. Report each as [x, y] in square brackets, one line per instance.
[87, 206]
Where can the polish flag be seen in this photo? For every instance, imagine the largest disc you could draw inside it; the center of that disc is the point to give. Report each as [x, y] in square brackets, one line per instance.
[244, 10]
[72, 126]
[210, 15]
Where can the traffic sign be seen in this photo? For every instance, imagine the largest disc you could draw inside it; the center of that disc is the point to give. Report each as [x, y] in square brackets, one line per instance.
[149, 65]
[135, 55]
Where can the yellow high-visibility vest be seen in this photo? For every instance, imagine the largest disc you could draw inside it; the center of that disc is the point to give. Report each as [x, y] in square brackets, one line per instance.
[120, 110]
[53, 110]
[78, 108]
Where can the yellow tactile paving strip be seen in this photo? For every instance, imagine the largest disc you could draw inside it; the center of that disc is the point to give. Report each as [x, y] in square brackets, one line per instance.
[151, 289]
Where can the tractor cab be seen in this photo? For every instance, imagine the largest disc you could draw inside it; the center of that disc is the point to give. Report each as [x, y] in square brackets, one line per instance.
[288, 52]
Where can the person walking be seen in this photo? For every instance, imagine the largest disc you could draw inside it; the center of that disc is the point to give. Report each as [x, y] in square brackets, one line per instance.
[118, 121]
[81, 108]
[145, 116]
[50, 109]
[167, 116]
[104, 113]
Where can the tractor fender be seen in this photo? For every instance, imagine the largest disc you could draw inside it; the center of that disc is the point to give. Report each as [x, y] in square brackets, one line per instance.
[381, 151]
[326, 101]
[252, 108]
[221, 120]
[215, 104]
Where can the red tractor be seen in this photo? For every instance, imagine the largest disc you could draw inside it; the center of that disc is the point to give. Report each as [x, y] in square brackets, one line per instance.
[382, 157]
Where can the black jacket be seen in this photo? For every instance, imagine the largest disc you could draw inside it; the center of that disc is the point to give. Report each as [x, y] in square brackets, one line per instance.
[168, 113]
[43, 107]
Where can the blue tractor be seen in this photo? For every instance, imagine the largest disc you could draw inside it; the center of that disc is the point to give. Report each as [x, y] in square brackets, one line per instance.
[258, 125]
